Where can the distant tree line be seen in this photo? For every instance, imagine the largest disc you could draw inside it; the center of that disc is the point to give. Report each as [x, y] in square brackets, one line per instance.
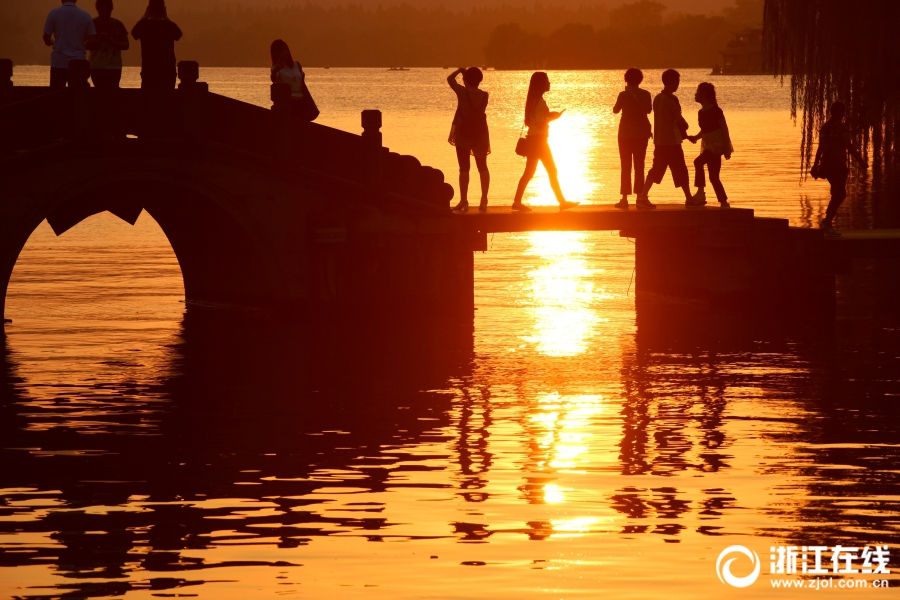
[636, 34]
[590, 36]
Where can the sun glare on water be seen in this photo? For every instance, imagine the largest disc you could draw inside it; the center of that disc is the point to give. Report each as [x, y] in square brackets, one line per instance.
[563, 293]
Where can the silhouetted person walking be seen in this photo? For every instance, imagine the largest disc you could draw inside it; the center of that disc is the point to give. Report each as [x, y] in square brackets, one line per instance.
[831, 162]
[66, 29]
[634, 133]
[106, 47]
[157, 35]
[715, 143]
[669, 129]
[469, 133]
[288, 71]
[537, 118]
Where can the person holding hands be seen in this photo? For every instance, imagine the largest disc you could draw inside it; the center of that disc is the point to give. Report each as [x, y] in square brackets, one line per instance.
[715, 143]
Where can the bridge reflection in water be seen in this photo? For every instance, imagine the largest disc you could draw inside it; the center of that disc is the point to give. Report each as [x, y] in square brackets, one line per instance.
[251, 447]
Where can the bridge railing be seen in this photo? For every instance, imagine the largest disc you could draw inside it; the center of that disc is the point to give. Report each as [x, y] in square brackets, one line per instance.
[33, 117]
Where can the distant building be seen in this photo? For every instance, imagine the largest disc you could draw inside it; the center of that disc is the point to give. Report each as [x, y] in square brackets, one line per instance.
[743, 55]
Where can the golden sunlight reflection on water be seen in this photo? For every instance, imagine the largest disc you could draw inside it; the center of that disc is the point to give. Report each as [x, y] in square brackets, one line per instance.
[563, 293]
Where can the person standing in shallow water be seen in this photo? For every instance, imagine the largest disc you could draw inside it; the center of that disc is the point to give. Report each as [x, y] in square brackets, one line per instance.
[715, 143]
[634, 132]
[157, 35]
[669, 129]
[538, 117]
[106, 47]
[831, 162]
[469, 133]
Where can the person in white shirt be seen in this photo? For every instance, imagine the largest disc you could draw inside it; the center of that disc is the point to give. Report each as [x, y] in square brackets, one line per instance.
[67, 29]
[288, 71]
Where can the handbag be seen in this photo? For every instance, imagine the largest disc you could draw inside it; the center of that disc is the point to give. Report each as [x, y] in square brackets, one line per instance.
[308, 109]
[818, 171]
[523, 145]
[451, 138]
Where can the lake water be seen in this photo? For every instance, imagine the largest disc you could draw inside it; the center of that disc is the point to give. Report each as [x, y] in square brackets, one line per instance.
[567, 450]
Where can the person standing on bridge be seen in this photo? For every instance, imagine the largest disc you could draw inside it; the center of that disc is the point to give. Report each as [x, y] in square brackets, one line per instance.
[469, 133]
[715, 143]
[831, 162]
[66, 29]
[669, 129]
[537, 118]
[634, 132]
[106, 47]
[288, 71]
[157, 35]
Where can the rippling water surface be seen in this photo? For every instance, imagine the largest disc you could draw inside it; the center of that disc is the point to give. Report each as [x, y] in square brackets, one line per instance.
[566, 447]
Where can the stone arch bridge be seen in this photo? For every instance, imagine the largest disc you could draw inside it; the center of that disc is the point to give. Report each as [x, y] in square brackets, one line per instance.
[261, 210]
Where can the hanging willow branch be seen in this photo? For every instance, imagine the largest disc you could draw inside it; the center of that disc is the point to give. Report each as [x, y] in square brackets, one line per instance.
[841, 50]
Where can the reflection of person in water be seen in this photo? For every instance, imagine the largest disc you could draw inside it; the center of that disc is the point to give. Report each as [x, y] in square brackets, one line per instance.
[469, 133]
[537, 118]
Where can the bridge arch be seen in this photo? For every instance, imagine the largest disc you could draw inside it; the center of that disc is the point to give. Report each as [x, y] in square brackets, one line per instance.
[209, 212]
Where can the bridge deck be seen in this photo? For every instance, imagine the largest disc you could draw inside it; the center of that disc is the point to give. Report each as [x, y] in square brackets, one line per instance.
[499, 219]
[870, 243]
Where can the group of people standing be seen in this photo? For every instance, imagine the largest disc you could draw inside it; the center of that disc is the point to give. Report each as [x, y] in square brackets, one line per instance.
[72, 33]
[469, 133]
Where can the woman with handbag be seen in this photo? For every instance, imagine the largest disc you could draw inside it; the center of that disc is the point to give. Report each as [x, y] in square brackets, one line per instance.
[288, 71]
[469, 133]
[537, 119]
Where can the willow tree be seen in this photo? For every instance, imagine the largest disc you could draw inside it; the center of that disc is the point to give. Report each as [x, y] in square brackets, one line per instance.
[844, 50]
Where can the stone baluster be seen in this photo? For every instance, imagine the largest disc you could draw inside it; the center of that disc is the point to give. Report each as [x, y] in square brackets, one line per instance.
[79, 73]
[6, 73]
[189, 76]
[373, 169]
[371, 124]
[280, 93]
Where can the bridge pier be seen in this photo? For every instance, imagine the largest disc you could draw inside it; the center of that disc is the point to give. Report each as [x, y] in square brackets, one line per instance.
[761, 268]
